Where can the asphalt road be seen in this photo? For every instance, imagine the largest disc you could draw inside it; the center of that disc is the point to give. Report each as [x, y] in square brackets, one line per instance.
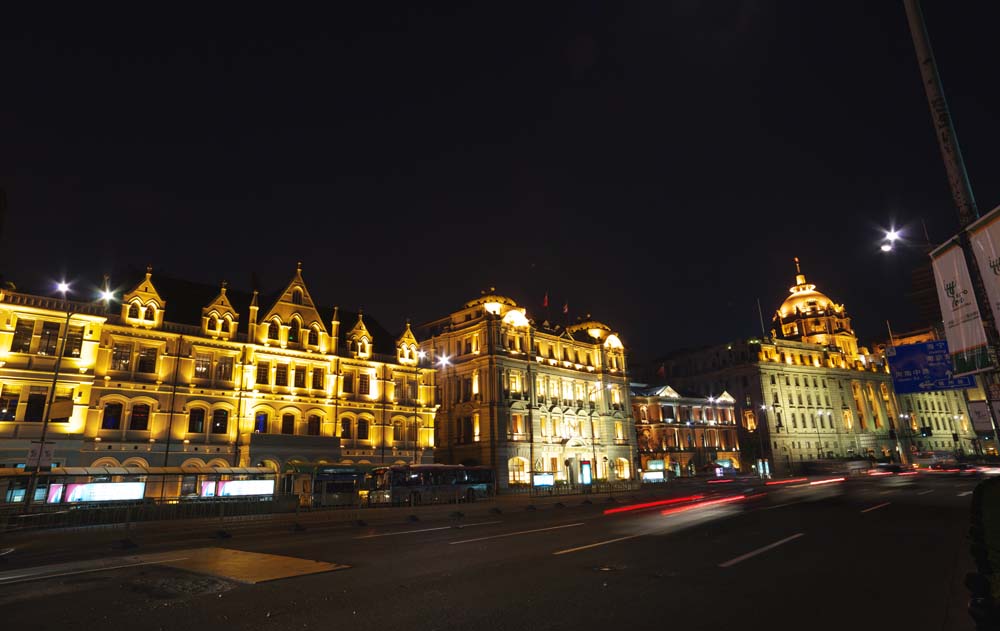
[828, 556]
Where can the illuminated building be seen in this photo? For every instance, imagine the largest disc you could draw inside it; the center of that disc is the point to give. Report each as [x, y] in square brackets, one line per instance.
[530, 399]
[806, 392]
[179, 374]
[684, 435]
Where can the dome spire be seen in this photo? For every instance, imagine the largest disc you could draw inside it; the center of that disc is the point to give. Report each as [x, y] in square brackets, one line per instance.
[800, 278]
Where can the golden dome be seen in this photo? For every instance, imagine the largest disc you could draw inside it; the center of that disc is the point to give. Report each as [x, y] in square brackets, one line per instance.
[805, 299]
[490, 296]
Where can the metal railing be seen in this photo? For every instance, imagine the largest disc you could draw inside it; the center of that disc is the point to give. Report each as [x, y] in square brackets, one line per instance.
[119, 514]
[599, 487]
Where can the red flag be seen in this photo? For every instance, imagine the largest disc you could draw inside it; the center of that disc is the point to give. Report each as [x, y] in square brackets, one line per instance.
[545, 301]
[566, 307]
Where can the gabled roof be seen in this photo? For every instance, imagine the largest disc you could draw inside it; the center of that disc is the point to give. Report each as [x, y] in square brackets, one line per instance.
[145, 291]
[221, 304]
[285, 306]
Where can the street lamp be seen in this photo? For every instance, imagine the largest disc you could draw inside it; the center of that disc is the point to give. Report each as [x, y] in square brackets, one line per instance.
[416, 403]
[888, 242]
[62, 287]
[593, 437]
[443, 362]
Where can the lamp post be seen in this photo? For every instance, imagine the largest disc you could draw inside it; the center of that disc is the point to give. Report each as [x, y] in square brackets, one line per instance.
[444, 362]
[63, 288]
[760, 439]
[593, 437]
[416, 403]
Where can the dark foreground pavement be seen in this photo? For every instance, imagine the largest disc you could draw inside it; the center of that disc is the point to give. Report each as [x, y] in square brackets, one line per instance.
[838, 556]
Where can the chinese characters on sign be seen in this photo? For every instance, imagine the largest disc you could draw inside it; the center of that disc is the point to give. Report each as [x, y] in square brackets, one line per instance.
[924, 367]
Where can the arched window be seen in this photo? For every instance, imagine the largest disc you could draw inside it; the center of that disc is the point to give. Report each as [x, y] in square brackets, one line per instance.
[397, 431]
[297, 296]
[224, 325]
[622, 469]
[517, 470]
[133, 311]
[220, 421]
[314, 424]
[140, 417]
[288, 424]
[345, 428]
[150, 312]
[362, 429]
[313, 337]
[293, 331]
[643, 414]
[112, 418]
[213, 323]
[260, 423]
[196, 421]
[272, 330]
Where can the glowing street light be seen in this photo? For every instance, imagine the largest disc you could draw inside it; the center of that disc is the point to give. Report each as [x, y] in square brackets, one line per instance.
[892, 235]
[62, 287]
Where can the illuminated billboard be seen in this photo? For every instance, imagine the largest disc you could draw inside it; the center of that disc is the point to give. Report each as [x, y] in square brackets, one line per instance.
[231, 488]
[105, 491]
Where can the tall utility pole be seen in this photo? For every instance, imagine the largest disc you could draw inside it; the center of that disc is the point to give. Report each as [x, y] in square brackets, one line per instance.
[961, 191]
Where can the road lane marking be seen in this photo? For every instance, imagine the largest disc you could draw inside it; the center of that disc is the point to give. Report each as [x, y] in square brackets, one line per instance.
[41, 576]
[594, 545]
[876, 507]
[964, 494]
[511, 534]
[780, 505]
[925, 492]
[410, 532]
[744, 557]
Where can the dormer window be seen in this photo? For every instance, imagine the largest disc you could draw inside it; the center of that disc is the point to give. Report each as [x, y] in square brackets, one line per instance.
[224, 325]
[293, 331]
[150, 313]
[313, 337]
[213, 324]
[133, 311]
[296, 296]
[272, 330]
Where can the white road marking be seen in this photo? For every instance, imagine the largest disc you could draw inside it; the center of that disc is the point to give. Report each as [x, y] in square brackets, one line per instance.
[780, 505]
[876, 507]
[925, 492]
[520, 532]
[410, 532]
[594, 545]
[40, 576]
[965, 493]
[744, 557]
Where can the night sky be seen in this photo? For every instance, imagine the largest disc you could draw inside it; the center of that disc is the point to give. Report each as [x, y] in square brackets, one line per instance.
[655, 164]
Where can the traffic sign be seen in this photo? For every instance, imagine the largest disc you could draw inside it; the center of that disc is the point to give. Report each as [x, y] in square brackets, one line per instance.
[924, 367]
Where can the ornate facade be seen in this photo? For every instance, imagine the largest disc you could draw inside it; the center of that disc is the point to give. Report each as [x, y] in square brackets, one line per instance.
[684, 435]
[528, 398]
[808, 391]
[209, 385]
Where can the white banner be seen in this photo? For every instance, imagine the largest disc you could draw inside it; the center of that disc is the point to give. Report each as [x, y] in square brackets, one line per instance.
[985, 236]
[980, 414]
[962, 325]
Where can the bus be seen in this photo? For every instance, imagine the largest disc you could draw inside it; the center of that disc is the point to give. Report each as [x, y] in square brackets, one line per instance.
[430, 484]
[322, 484]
